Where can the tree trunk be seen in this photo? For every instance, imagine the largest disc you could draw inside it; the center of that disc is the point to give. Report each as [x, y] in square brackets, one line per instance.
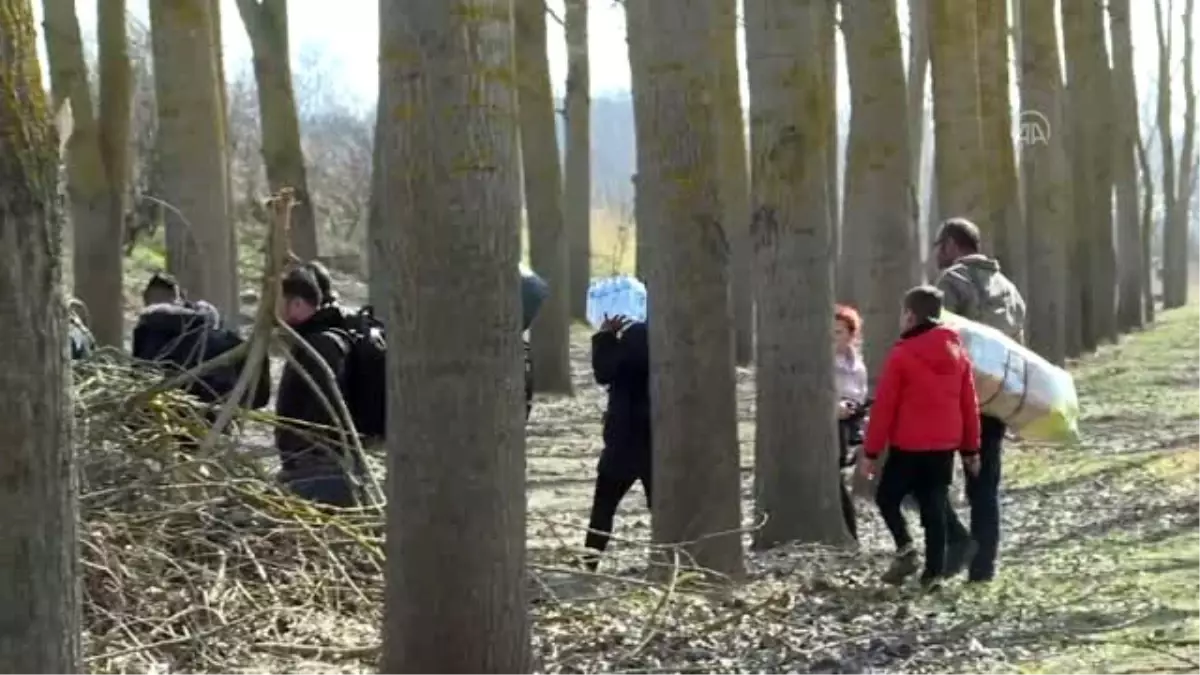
[577, 191]
[266, 24]
[796, 471]
[882, 162]
[376, 257]
[1147, 229]
[735, 181]
[191, 154]
[1003, 208]
[1091, 102]
[1129, 235]
[548, 247]
[1177, 253]
[97, 157]
[453, 235]
[1046, 175]
[1164, 28]
[918, 69]
[39, 588]
[697, 495]
[828, 51]
[959, 151]
[639, 46]
[227, 147]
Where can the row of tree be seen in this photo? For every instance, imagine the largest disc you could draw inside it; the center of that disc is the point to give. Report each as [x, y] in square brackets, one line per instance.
[460, 121]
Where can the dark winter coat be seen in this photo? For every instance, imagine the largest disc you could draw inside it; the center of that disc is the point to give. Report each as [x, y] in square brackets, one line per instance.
[306, 451]
[179, 337]
[623, 365]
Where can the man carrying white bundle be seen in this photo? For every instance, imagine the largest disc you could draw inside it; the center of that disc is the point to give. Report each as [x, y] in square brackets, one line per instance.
[976, 289]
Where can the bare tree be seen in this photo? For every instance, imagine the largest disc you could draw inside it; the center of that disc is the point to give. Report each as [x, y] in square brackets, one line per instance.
[97, 157]
[451, 205]
[639, 45]
[191, 151]
[796, 473]
[1177, 180]
[877, 171]
[918, 70]
[1129, 245]
[734, 180]
[548, 250]
[39, 591]
[1091, 102]
[959, 149]
[1046, 176]
[697, 492]
[577, 183]
[266, 23]
[1003, 208]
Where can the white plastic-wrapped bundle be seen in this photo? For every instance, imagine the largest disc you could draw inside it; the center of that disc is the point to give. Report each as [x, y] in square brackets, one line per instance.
[1033, 396]
[619, 295]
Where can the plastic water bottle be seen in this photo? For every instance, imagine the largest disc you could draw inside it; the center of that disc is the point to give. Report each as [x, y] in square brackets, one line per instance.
[619, 295]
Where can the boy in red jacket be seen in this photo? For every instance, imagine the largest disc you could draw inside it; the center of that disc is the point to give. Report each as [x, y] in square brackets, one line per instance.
[925, 411]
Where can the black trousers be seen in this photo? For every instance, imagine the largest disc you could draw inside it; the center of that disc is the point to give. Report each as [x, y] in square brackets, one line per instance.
[848, 430]
[983, 495]
[926, 476]
[612, 484]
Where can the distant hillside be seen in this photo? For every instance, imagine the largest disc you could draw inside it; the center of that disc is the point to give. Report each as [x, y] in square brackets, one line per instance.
[614, 151]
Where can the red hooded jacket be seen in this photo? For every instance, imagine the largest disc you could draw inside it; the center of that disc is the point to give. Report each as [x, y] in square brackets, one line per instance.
[926, 400]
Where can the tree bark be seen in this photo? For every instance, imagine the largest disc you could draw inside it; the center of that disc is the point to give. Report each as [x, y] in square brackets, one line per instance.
[1003, 207]
[266, 23]
[833, 168]
[1147, 230]
[191, 152]
[697, 492]
[918, 69]
[39, 588]
[639, 46]
[1129, 270]
[959, 151]
[796, 474]
[97, 157]
[577, 191]
[735, 181]
[1177, 248]
[1091, 102]
[1046, 175]
[1164, 29]
[550, 336]
[881, 163]
[456, 503]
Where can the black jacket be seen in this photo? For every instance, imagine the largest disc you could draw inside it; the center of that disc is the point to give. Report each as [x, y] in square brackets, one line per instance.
[179, 337]
[305, 450]
[623, 365]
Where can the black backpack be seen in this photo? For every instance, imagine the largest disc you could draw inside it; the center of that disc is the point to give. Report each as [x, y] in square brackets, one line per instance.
[364, 385]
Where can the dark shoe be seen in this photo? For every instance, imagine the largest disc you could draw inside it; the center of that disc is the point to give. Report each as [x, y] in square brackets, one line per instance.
[958, 555]
[931, 583]
[903, 566]
[978, 578]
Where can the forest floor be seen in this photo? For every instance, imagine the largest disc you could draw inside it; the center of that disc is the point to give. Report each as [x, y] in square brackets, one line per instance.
[1099, 559]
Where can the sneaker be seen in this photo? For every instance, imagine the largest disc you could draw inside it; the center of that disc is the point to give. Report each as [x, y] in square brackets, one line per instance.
[958, 555]
[903, 566]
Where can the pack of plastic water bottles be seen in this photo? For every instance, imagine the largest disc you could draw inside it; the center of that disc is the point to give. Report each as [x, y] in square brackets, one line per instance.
[618, 295]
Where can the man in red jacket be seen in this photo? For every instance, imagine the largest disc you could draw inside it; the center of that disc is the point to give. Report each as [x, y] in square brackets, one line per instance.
[925, 412]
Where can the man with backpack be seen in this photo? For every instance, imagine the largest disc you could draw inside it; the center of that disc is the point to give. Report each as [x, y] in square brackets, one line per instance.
[313, 448]
[976, 289]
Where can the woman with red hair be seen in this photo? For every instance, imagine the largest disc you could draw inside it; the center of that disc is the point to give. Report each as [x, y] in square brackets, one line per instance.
[850, 376]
